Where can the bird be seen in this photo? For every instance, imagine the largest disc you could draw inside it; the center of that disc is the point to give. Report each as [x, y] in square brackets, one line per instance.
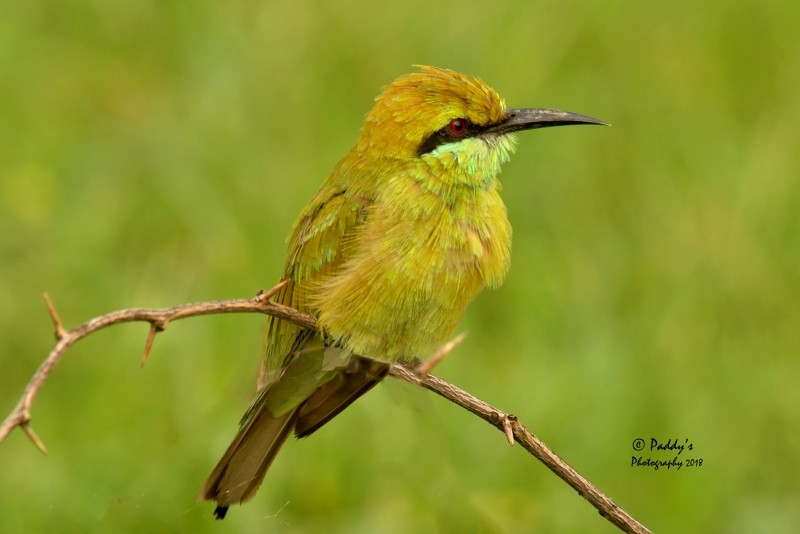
[405, 232]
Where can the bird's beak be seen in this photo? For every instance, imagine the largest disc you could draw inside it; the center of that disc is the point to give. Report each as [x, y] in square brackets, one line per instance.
[517, 119]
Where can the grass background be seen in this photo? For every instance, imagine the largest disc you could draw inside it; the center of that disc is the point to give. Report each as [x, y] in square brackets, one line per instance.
[155, 153]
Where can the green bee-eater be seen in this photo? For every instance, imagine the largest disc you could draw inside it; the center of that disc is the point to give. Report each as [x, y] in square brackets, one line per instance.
[404, 233]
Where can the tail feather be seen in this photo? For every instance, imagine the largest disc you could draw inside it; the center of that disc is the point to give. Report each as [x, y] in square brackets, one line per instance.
[241, 470]
[239, 473]
[334, 396]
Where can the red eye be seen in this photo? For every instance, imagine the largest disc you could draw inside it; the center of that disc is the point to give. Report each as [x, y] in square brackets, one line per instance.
[458, 126]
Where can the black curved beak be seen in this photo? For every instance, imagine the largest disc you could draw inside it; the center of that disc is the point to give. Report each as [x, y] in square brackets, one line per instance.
[517, 119]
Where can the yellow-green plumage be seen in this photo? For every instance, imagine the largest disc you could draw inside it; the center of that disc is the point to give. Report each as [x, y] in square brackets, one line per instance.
[394, 246]
[405, 232]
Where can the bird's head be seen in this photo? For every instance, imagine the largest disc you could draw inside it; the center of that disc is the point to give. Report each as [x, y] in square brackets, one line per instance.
[451, 121]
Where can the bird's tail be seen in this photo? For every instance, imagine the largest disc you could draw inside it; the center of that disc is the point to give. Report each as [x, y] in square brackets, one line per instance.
[331, 398]
[239, 473]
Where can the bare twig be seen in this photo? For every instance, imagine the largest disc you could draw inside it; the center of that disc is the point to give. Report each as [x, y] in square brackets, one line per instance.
[20, 416]
[158, 319]
[532, 444]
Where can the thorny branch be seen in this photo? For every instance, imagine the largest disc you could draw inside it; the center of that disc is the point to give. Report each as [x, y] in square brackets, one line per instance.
[419, 375]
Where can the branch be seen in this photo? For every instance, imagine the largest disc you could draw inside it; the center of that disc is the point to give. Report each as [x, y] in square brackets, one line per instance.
[514, 430]
[159, 318]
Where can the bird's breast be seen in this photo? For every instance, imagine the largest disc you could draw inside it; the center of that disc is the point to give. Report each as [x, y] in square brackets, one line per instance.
[418, 261]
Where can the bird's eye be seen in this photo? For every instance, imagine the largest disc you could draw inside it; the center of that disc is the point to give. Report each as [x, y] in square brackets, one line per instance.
[458, 126]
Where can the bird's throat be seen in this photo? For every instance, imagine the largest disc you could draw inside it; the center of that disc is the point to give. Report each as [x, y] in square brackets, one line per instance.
[474, 162]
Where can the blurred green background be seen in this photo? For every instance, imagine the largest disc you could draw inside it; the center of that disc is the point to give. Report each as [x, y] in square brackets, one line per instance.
[156, 153]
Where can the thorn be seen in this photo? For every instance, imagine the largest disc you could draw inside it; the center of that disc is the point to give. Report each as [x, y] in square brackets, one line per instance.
[426, 367]
[60, 332]
[28, 429]
[155, 328]
[264, 296]
[508, 422]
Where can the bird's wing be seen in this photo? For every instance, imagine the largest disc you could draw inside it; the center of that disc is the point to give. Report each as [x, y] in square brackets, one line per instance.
[299, 392]
[321, 242]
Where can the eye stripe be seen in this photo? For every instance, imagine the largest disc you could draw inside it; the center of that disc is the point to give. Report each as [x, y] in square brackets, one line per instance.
[455, 130]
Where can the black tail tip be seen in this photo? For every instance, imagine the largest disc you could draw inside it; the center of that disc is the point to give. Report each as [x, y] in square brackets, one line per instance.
[220, 511]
